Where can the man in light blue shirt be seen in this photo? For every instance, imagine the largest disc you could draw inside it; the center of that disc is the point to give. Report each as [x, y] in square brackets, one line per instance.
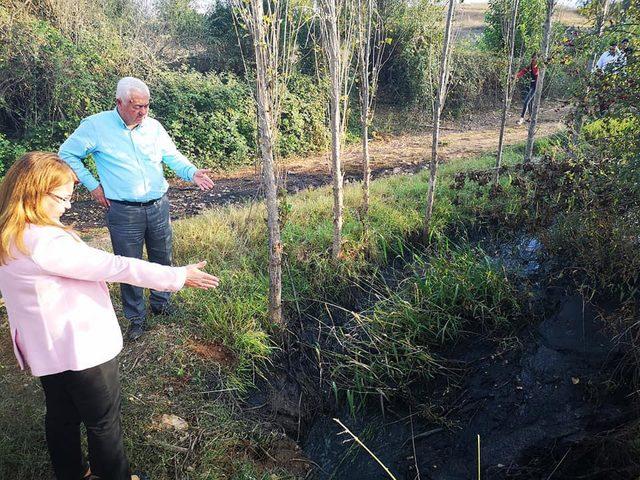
[129, 150]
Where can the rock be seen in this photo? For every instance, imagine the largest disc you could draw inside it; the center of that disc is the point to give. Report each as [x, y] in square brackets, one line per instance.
[171, 421]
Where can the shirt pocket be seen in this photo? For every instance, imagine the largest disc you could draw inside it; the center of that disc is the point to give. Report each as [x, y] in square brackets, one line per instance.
[149, 150]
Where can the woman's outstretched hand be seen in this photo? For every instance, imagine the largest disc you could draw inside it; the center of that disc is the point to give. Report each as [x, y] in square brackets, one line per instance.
[196, 278]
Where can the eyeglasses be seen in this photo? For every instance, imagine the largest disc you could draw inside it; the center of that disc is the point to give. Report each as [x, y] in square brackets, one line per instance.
[61, 199]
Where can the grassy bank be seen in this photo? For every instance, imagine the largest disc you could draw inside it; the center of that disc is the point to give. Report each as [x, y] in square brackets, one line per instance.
[198, 365]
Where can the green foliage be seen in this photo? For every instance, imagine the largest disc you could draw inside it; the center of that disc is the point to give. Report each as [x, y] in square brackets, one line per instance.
[410, 74]
[302, 125]
[54, 81]
[210, 117]
[394, 344]
[9, 152]
[531, 14]
[614, 137]
[475, 79]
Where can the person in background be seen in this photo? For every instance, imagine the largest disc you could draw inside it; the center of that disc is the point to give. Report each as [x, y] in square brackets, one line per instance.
[61, 319]
[533, 70]
[624, 52]
[607, 59]
[129, 150]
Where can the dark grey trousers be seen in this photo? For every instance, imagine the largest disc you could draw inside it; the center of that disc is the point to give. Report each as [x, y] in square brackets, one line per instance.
[130, 228]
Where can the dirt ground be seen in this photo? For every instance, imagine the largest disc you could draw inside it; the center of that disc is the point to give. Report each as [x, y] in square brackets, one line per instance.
[390, 154]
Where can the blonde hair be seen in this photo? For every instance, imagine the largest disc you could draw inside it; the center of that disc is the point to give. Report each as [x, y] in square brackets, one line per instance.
[29, 180]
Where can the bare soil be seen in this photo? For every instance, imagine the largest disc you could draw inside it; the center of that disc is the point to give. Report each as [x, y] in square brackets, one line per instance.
[390, 154]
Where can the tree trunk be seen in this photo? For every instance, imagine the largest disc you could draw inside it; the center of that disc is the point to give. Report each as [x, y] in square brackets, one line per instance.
[437, 111]
[546, 45]
[265, 127]
[332, 46]
[508, 94]
[365, 52]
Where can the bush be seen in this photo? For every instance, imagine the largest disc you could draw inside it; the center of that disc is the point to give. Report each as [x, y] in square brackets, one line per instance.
[475, 79]
[615, 137]
[410, 74]
[210, 117]
[9, 152]
[55, 81]
[302, 123]
[531, 14]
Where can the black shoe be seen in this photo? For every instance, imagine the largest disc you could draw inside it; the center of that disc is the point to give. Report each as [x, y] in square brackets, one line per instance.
[135, 331]
[165, 310]
[141, 475]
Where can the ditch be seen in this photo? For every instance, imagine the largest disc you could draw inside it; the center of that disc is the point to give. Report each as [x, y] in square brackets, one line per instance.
[547, 399]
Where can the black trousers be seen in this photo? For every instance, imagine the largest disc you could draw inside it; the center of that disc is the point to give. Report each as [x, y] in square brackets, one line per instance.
[528, 99]
[92, 397]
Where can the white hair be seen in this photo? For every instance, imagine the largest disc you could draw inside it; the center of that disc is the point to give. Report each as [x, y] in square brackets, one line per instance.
[127, 85]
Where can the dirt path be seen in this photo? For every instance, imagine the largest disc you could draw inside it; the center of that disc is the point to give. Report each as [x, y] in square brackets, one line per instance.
[405, 153]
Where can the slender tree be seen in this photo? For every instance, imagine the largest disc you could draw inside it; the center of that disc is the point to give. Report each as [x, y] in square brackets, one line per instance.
[437, 111]
[273, 33]
[546, 47]
[604, 6]
[337, 27]
[371, 44]
[508, 86]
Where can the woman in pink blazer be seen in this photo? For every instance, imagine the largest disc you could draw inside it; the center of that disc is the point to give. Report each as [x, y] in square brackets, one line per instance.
[63, 325]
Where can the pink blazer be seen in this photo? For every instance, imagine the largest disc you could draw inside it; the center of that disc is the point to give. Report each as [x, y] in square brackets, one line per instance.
[60, 312]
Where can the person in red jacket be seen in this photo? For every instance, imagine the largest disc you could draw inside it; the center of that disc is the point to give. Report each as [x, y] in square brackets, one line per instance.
[533, 70]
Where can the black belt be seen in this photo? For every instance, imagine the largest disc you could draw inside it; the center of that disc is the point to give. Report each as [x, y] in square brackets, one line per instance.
[136, 204]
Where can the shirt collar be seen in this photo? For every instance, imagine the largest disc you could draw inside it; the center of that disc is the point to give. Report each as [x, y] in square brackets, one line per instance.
[121, 121]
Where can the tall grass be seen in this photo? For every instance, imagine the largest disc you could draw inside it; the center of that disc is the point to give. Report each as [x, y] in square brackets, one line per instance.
[396, 342]
[233, 240]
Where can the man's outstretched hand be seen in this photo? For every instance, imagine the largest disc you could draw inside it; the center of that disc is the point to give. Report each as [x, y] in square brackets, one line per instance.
[202, 180]
[98, 195]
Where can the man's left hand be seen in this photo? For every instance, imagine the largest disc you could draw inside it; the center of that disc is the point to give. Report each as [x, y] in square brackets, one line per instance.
[202, 180]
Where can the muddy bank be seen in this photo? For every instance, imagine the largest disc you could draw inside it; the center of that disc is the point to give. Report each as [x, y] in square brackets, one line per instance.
[187, 200]
[543, 401]
[529, 397]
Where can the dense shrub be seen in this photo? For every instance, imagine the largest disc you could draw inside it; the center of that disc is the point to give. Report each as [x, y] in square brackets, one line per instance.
[210, 117]
[9, 152]
[475, 79]
[410, 74]
[531, 15]
[302, 123]
[615, 137]
[54, 82]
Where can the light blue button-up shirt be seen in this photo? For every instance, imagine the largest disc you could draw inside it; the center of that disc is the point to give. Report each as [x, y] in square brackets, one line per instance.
[129, 161]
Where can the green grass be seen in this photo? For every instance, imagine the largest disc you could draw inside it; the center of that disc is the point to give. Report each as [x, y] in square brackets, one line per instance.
[387, 348]
[168, 372]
